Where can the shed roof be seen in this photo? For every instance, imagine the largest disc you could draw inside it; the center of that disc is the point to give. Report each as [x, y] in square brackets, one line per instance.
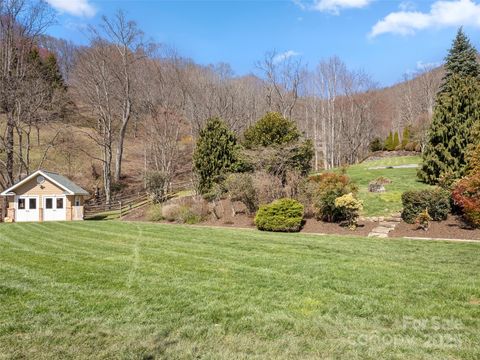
[66, 184]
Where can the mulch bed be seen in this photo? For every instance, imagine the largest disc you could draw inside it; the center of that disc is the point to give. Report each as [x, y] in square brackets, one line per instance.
[310, 226]
[320, 227]
[452, 228]
[239, 221]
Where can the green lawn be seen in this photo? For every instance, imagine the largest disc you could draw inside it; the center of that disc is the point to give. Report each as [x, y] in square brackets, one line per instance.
[376, 204]
[116, 290]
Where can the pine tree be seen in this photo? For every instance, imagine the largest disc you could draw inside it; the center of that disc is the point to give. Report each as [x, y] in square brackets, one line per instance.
[52, 72]
[455, 114]
[215, 154]
[396, 141]
[473, 153]
[389, 142]
[405, 136]
[272, 129]
[461, 59]
[457, 111]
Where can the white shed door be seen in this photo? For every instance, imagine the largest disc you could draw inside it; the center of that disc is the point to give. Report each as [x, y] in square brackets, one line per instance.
[54, 208]
[27, 209]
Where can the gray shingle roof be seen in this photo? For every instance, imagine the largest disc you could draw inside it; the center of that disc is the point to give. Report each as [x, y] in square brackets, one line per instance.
[67, 183]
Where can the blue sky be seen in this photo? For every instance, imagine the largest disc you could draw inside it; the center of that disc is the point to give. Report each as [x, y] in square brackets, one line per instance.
[386, 38]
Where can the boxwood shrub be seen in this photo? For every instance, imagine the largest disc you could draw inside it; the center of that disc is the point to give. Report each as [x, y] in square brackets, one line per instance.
[435, 201]
[284, 215]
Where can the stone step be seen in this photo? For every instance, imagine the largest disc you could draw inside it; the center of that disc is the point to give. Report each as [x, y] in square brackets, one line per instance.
[381, 230]
[377, 235]
[390, 224]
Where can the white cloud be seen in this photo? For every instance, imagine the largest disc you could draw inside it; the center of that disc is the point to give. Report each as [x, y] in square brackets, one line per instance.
[332, 6]
[427, 65]
[442, 13]
[74, 7]
[407, 6]
[284, 56]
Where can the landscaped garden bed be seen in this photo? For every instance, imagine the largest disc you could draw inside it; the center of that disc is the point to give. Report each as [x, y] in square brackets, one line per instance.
[452, 228]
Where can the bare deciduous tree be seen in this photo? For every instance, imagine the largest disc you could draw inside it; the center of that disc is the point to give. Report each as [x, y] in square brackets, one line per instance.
[21, 24]
[283, 75]
[104, 77]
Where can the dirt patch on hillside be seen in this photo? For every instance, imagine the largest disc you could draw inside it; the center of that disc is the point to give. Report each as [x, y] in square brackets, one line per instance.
[452, 228]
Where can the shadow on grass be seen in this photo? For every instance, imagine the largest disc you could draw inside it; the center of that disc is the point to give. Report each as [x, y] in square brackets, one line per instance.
[98, 217]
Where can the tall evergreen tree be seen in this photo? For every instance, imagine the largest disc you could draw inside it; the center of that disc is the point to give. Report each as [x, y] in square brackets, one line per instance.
[389, 142]
[462, 58]
[52, 72]
[456, 112]
[396, 141]
[406, 136]
[215, 153]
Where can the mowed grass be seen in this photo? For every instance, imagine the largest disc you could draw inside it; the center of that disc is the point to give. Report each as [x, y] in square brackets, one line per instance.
[403, 179]
[113, 290]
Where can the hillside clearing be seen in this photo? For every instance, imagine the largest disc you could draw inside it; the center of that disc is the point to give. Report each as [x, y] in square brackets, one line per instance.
[403, 179]
[136, 290]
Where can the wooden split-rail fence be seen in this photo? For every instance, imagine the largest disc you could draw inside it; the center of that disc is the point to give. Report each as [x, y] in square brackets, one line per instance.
[119, 206]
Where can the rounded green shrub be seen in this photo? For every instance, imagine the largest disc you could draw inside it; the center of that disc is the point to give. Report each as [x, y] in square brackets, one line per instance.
[435, 201]
[376, 145]
[284, 215]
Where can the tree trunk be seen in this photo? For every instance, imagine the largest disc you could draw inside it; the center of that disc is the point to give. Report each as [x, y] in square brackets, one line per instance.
[119, 153]
[107, 176]
[9, 144]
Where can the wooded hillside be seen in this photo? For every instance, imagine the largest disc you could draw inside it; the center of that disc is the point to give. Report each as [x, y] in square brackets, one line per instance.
[108, 113]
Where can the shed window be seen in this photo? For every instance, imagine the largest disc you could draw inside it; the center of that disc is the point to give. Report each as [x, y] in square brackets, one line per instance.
[32, 203]
[59, 203]
[21, 204]
[48, 203]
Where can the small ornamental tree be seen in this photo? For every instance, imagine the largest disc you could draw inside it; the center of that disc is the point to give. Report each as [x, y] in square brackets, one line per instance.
[272, 129]
[215, 154]
[329, 187]
[350, 207]
[274, 144]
